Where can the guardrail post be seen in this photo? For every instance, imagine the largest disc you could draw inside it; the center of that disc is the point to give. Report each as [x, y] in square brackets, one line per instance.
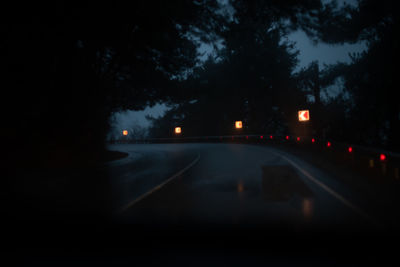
[371, 163]
[384, 168]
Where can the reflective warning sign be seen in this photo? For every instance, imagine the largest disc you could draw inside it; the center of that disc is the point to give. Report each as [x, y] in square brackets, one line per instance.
[304, 115]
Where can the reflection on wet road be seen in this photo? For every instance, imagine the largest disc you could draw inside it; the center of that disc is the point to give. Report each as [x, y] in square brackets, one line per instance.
[231, 184]
[307, 208]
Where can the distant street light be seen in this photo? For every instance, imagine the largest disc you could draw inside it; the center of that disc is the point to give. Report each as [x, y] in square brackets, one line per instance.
[178, 130]
[304, 115]
[125, 132]
[238, 124]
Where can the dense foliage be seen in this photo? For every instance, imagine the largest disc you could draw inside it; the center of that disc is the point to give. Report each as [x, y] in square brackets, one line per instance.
[252, 77]
[68, 67]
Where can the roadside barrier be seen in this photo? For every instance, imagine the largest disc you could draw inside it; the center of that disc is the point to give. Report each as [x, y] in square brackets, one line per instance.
[377, 162]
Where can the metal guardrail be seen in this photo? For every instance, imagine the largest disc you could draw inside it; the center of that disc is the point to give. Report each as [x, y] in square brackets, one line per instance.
[367, 159]
[265, 137]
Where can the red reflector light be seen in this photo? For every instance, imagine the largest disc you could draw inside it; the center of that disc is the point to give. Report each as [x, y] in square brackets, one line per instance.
[298, 138]
[247, 137]
[350, 149]
[313, 140]
[328, 144]
[382, 157]
[287, 137]
[261, 137]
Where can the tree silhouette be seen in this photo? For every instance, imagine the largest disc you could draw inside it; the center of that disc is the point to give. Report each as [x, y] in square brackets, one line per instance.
[370, 77]
[250, 79]
[69, 69]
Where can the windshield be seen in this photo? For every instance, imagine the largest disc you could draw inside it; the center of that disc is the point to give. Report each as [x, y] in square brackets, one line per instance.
[202, 131]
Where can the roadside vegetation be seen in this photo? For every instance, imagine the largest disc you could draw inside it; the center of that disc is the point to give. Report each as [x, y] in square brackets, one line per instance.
[67, 72]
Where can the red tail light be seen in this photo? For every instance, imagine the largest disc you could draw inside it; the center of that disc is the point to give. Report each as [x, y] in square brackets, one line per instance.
[287, 137]
[271, 137]
[298, 138]
[313, 140]
[328, 144]
[350, 149]
[382, 157]
[261, 137]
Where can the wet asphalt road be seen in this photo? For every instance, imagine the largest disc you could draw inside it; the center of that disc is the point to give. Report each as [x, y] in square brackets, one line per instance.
[230, 185]
[208, 205]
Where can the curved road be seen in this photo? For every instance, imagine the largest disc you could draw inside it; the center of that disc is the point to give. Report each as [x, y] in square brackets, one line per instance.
[230, 185]
[208, 205]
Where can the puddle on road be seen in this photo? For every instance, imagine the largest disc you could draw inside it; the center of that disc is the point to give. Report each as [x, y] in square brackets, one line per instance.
[308, 208]
[282, 183]
[240, 186]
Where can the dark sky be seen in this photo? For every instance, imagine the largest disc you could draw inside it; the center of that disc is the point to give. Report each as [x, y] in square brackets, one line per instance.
[325, 53]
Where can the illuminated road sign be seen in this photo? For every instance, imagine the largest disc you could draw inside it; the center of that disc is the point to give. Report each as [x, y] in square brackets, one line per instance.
[125, 132]
[304, 115]
[238, 124]
[178, 130]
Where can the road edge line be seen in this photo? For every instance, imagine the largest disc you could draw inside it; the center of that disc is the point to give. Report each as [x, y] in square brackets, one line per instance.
[330, 191]
[158, 187]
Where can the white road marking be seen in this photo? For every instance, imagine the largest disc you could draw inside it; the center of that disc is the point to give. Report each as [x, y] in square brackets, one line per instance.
[132, 203]
[329, 190]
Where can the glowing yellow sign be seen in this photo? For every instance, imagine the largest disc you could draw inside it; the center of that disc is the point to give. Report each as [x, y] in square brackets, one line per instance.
[238, 124]
[125, 132]
[178, 130]
[304, 115]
